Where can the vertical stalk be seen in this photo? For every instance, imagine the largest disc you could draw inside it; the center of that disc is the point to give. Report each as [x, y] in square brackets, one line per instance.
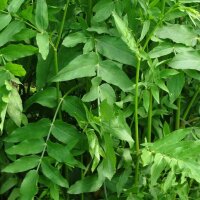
[56, 68]
[149, 118]
[178, 111]
[190, 104]
[137, 143]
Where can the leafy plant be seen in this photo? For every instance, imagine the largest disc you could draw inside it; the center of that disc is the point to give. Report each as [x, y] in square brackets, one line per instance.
[99, 99]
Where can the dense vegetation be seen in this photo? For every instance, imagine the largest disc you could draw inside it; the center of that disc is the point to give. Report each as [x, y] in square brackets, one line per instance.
[99, 99]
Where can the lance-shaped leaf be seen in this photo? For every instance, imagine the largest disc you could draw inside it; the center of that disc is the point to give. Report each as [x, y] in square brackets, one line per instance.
[43, 44]
[22, 164]
[125, 33]
[29, 187]
[14, 5]
[41, 15]
[5, 20]
[15, 69]
[81, 66]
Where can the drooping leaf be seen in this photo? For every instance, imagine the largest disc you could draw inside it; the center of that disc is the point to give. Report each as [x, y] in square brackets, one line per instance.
[16, 51]
[22, 164]
[186, 60]
[14, 5]
[73, 39]
[115, 49]
[5, 20]
[47, 98]
[81, 66]
[29, 187]
[41, 15]
[87, 184]
[145, 29]
[15, 69]
[7, 34]
[53, 174]
[31, 131]
[178, 33]
[108, 72]
[33, 146]
[43, 44]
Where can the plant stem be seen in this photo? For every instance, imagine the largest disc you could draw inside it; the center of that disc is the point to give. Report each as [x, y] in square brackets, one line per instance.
[137, 143]
[190, 104]
[56, 68]
[177, 124]
[149, 118]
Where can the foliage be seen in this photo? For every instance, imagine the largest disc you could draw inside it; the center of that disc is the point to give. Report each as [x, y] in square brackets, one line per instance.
[99, 99]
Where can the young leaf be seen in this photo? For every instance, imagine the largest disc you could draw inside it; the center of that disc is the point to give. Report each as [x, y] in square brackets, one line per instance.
[15, 69]
[14, 5]
[73, 39]
[5, 20]
[53, 174]
[31, 131]
[41, 15]
[87, 184]
[16, 51]
[33, 146]
[22, 164]
[29, 187]
[7, 34]
[81, 66]
[43, 44]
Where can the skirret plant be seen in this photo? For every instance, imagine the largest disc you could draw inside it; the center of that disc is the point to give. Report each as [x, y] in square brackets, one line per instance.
[99, 99]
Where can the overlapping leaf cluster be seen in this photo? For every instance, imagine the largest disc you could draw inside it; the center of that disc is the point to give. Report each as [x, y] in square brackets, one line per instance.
[91, 95]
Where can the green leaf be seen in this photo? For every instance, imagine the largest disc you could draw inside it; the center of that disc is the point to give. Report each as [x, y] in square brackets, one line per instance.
[86, 184]
[178, 33]
[81, 66]
[41, 15]
[145, 29]
[103, 10]
[53, 174]
[186, 60]
[15, 108]
[22, 164]
[66, 133]
[61, 153]
[14, 5]
[115, 49]
[33, 146]
[24, 35]
[7, 34]
[5, 20]
[126, 33]
[43, 44]
[15, 69]
[108, 71]
[73, 39]
[29, 187]
[155, 93]
[16, 51]
[3, 4]
[31, 131]
[47, 98]
[8, 184]
[175, 85]
[74, 107]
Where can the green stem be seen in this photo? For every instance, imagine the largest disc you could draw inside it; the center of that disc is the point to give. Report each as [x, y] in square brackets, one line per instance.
[177, 124]
[137, 143]
[149, 118]
[190, 104]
